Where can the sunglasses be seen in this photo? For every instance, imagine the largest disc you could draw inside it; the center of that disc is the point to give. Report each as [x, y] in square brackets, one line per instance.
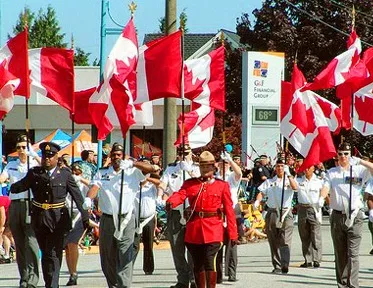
[20, 146]
[343, 153]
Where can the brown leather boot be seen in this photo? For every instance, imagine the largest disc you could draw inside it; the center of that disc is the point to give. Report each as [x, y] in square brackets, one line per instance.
[211, 279]
[200, 279]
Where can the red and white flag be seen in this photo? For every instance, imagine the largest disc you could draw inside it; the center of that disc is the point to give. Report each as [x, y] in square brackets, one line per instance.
[8, 84]
[112, 104]
[159, 69]
[332, 113]
[144, 114]
[339, 69]
[305, 126]
[204, 79]
[15, 58]
[52, 74]
[81, 102]
[198, 126]
[363, 108]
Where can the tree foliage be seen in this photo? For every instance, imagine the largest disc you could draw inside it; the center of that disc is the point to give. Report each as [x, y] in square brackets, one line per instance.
[44, 31]
[279, 26]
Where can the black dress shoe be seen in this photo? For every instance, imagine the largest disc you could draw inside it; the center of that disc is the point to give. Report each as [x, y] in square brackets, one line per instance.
[316, 264]
[73, 280]
[306, 265]
[193, 285]
[276, 271]
[179, 285]
[232, 279]
[371, 252]
[285, 269]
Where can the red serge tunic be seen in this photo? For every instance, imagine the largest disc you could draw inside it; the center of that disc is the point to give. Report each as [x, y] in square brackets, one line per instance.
[206, 197]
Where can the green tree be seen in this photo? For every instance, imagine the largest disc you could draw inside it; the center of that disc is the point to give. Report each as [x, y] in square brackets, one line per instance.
[44, 31]
[293, 29]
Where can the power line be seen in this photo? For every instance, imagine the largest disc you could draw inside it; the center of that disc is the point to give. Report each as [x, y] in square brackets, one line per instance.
[335, 3]
[323, 22]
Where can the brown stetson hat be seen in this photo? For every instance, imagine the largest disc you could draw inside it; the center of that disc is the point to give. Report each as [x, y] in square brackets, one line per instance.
[206, 158]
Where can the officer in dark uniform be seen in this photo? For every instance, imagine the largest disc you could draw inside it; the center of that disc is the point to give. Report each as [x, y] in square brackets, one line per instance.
[50, 218]
[262, 172]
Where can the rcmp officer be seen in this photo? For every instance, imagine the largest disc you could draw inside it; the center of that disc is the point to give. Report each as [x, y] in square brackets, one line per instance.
[208, 198]
[279, 230]
[346, 227]
[310, 217]
[27, 248]
[50, 217]
[171, 181]
[117, 232]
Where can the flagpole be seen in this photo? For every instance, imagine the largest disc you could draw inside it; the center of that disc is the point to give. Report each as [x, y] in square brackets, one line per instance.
[27, 120]
[132, 8]
[72, 130]
[143, 141]
[223, 135]
[352, 128]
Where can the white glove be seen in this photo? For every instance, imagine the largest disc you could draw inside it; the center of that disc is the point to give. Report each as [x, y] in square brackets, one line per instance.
[226, 156]
[287, 170]
[125, 164]
[371, 215]
[354, 160]
[186, 166]
[256, 204]
[87, 204]
[30, 151]
[321, 202]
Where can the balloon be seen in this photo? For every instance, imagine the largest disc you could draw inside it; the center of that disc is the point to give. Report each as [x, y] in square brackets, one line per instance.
[229, 148]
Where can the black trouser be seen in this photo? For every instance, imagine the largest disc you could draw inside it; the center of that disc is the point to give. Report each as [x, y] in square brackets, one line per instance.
[147, 237]
[204, 256]
[51, 246]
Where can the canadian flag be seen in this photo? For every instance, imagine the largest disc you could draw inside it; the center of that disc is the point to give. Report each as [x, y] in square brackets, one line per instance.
[204, 79]
[52, 74]
[15, 58]
[332, 113]
[363, 108]
[339, 69]
[198, 126]
[8, 83]
[159, 69]
[112, 104]
[144, 114]
[305, 126]
[81, 102]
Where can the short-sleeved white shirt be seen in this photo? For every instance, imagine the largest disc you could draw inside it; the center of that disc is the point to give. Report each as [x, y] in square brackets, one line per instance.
[15, 171]
[234, 185]
[109, 182]
[337, 180]
[272, 188]
[148, 197]
[173, 177]
[309, 190]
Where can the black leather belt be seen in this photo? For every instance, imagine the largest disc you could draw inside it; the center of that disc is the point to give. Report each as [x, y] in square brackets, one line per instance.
[341, 212]
[111, 216]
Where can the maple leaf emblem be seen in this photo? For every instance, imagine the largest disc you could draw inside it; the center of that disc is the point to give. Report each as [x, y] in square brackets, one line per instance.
[192, 91]
[362, 107]
[123, 69]
[302, 118]
[325, 107]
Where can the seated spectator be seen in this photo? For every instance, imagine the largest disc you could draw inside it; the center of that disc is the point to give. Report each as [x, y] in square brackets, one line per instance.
[254, 227]
[5, 234]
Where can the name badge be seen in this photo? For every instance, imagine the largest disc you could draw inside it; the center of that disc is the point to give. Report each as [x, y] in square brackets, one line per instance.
[355, 180]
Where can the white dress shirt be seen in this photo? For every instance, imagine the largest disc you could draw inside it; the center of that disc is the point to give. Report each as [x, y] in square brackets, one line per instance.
[309, 190]
[272, 188]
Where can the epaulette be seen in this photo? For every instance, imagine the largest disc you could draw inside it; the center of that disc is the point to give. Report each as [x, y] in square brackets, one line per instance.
[103, 168]
[219, 179]
[37, 169]
[173, 164]
[65, 168]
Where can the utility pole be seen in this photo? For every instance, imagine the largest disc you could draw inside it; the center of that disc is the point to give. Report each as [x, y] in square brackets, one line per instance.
[170, 110]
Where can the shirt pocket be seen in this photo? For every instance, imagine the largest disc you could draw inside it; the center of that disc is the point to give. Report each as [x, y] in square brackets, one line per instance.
[59, 191]
[214, 198]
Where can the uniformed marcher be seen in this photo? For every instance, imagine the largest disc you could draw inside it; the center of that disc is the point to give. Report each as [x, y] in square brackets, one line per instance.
[209, 198]
[27, 249]
[262, 172]
[116, 237]
[346, 227]
[310, 217]
[171, 181]
[279, 224]
[50, 217]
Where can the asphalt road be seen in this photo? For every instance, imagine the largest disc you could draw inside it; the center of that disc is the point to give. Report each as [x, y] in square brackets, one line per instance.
[254, 268]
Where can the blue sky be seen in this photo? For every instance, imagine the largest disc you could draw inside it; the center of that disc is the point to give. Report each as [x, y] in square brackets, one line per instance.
[82, 17]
